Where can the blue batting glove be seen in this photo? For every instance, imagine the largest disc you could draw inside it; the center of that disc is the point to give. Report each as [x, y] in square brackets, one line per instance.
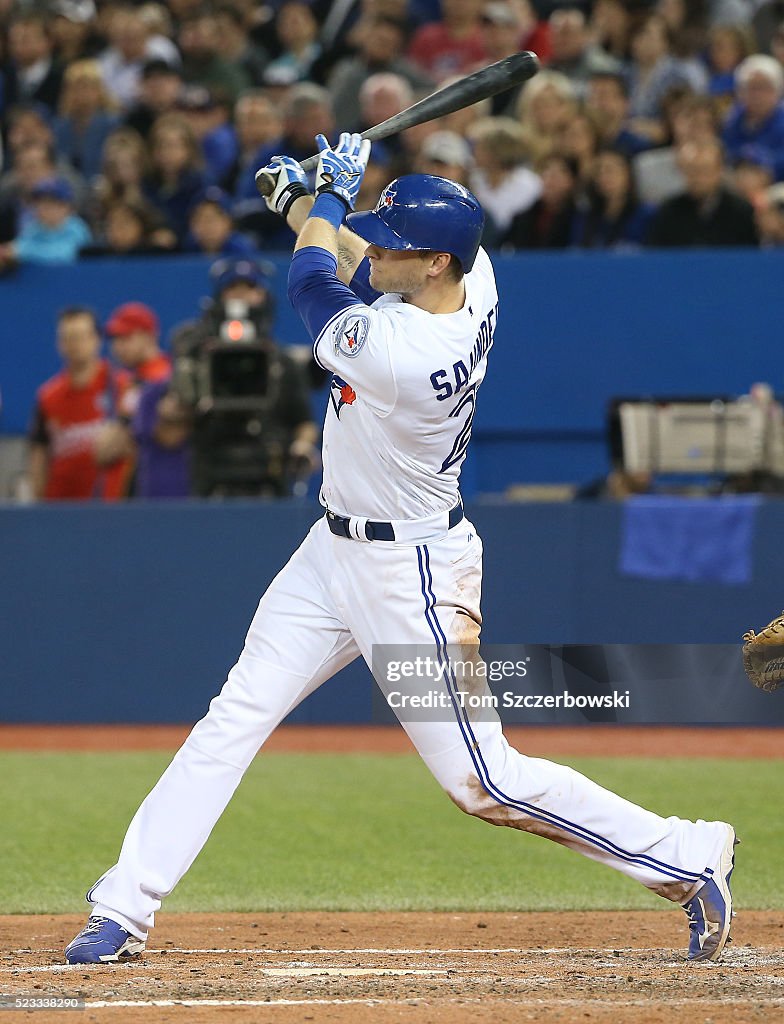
[340, 170]
[290, 183]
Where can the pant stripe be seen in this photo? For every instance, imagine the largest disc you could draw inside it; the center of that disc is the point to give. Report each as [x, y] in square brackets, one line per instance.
[474, 751]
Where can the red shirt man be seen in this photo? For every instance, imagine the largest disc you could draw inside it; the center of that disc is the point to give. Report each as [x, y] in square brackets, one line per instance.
[454, 46]
[72, 408]
[134, 331]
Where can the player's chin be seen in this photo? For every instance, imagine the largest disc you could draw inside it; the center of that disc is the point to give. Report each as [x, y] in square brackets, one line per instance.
[377, 283]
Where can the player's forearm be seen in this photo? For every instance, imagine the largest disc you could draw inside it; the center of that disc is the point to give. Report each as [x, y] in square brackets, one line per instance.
[319, 233]
[350, 247]
[321, 226]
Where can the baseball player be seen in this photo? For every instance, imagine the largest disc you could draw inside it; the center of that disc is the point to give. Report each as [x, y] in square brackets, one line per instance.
[401, 304]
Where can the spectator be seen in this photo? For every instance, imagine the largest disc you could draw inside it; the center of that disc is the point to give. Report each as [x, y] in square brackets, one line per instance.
[161, 429]
[685, 21]
[307, 112]
[124, 167]
[509, 26]
[26, 123]
[131, 45]
[534, 33]
[777, 43]
[157, 17]
[707, 213]
[610, 27]
[753, 175]
[580, 139]
[73, 30]
[545, 106]
[380, 50]
[607, 101]
[32, 75]
[572, 52]
[728, 45]
[500, 180]
[201, 62]
[257, 125]
[70, 411]
[212, 227]
[764, 17]
[446, 155]
[130, 228]
[297, 31]
[758, 117]
[32, 123]
[548, 223]
[382, 96]
[443, 49]
[769, 217]
[54, 233]
[656, 171]
[208, 117]
[159, 88]
[655, 73]
[174, 181]
[134, 331]
[613, 217]
[235, 46]
[86, 118]
[34, 163]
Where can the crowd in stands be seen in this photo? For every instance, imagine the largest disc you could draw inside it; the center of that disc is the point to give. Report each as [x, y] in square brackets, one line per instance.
[135, 128]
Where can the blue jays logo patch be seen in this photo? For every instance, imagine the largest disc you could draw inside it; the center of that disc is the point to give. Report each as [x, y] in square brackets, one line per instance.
[387, 198]
[351, 334]
[341, 394]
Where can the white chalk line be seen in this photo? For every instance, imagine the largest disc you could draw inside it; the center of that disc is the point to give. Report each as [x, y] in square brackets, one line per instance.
[618, 1004]
[105, 1004]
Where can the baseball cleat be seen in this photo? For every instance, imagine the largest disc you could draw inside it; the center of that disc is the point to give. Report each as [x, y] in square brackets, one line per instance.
[102, 941]
[710, 909]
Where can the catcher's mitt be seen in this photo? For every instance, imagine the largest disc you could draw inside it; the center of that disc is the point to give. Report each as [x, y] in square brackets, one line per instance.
[763, 655]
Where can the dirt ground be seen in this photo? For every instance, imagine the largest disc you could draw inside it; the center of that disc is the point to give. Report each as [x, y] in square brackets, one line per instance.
[436, 968]
[537, 741]
[354, 968]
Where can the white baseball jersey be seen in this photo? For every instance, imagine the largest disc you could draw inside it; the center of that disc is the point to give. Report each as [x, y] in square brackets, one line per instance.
[402, 400]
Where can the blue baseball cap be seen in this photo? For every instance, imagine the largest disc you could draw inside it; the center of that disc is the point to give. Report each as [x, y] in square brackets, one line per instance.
[53, 188]
[229, 271]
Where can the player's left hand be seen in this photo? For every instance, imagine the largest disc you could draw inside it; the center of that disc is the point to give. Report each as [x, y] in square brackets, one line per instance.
[290, 183]
[341, 169]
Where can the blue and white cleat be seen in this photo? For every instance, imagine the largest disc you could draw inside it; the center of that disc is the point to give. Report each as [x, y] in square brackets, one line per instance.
[102, 941]
[710, 909]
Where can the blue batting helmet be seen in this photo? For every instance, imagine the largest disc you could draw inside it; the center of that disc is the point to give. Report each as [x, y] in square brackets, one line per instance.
[424, 212]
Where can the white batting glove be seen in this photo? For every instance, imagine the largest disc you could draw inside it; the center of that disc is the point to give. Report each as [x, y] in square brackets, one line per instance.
[341, 169]
[290, 183]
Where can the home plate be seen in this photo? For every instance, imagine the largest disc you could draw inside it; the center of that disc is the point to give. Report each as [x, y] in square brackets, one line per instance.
[342, 972]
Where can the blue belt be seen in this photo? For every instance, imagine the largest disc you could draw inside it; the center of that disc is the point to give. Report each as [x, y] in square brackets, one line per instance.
[339, 525]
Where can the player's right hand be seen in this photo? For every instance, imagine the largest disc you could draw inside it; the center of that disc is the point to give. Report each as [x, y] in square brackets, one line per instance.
[290, 183]
[341, 169]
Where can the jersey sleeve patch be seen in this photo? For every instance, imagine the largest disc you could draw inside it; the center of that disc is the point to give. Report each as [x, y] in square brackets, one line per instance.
[351, 334]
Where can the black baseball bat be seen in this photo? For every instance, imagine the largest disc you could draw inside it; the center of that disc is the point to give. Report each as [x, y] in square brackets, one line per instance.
[478, 86]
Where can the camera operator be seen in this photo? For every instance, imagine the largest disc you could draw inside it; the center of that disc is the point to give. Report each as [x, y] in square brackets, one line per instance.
[252, 428]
